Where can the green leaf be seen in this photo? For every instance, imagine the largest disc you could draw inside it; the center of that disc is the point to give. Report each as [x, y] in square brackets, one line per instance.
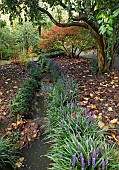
[116, 12]
[96, 7]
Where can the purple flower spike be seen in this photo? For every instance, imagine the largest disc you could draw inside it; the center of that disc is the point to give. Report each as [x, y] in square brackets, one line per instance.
[71, 168]
[107, 160]
[89, 120]
[67, 86]
[85, 112]
[88, 159]
[93, 153]
[76, 127]
[67, 116]
[74, 160]
[92, 114]
[79, 148]
[75, 116]
[82, 161]
[103, 164]
[97, 153]
[90, 143]
[93, 162]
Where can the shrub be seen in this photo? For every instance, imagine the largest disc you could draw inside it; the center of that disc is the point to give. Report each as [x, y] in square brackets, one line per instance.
[34, 71]
[23, 58]
[71, 39]
[21, 102]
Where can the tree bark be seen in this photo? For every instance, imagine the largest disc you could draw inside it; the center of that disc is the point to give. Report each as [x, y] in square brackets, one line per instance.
[101, 57]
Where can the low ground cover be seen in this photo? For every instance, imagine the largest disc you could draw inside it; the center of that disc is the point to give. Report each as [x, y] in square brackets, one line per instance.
[76, 140]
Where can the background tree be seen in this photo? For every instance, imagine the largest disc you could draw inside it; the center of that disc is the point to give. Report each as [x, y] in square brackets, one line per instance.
[70, 39]
[96, 15]
[17, 39]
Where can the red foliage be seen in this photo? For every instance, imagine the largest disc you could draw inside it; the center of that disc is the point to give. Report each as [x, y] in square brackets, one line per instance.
[56, 33]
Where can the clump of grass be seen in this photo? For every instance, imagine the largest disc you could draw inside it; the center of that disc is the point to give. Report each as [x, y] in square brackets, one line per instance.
[8, 153]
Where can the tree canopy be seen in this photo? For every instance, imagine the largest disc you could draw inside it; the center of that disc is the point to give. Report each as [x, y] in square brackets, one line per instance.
[99, 16]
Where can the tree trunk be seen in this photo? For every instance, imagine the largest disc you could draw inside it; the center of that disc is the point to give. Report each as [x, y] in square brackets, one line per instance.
[112, 50]
[101, 56]
[112, 57]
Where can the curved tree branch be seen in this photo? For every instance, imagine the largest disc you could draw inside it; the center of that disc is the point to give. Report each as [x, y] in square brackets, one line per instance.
[81, 24]
[85, 19]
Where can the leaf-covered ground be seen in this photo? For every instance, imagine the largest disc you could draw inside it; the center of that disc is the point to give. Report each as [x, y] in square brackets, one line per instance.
[11, 79]
[99, 93]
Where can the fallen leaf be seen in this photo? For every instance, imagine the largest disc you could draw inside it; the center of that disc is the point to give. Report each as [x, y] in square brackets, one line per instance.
[6, 82]
[85, 98]
[1, 93]
[29, 139]
[18, 123]
[110, 109]
[34, 135]
[113, 136]
[95, 116]
[18, 164]
[15, 87]
[14, 125]
[114, 121]
[91, 94]
[93, 106]
[101, 124]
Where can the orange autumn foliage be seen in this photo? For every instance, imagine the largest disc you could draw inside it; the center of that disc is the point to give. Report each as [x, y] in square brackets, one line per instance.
[56, 33]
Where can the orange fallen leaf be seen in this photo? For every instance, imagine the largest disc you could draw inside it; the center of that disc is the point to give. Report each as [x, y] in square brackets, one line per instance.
[18, 123]
[34, 135]
[105, 127]
[97, 98]
[14, 125]
[29, 139]
[9, 133]
[93, 106]
[113, 136]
